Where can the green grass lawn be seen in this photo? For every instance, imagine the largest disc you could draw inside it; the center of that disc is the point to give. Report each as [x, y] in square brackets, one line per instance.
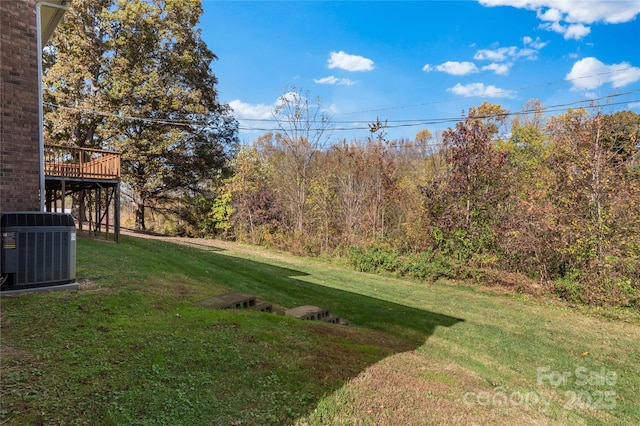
[133, 346]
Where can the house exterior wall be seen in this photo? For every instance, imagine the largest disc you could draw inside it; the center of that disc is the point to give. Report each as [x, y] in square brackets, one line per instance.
[19, 107]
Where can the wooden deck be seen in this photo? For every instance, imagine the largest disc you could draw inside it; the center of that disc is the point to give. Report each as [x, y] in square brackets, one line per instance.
[73, 163]
[90, 179]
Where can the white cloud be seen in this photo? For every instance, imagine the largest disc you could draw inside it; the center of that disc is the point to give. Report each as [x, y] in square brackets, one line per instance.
[576, 32]
[479, 89]
[334, 80]
[590, 73]
[289, 98]
[569, 32]
[531, 54]
[549, 15]
[610, 12]
[502, 54]
[496, 55]
[453, 68]
[244, 110]
[502, 59]
[348, 62]
[499, 69]
[534, 44]
[575, 11]
[332, 109]
[571, 17]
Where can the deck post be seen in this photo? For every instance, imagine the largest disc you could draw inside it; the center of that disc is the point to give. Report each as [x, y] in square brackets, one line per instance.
[98, 209]
[48, 196]
[80, 209]
[116, 214]
[106, 213]
[62, 195]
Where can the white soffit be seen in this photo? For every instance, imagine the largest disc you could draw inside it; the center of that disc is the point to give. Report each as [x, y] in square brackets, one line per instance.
[50, 16]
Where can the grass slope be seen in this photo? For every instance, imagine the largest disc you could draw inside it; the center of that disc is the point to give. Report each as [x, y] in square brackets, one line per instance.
[133, 347]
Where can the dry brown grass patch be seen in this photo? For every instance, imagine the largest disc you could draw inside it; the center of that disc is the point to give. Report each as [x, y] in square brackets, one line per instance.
[409, 389]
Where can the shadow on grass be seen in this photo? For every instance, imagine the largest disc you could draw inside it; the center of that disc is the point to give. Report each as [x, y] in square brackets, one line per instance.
[378, 328]
[123, 356]
[282, 287]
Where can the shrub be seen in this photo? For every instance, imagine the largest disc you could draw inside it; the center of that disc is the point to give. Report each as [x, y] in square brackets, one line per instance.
[377, 258]
[428, 266]
[568, 290]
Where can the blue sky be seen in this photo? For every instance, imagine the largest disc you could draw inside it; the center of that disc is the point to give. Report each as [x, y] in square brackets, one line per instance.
[420, 64]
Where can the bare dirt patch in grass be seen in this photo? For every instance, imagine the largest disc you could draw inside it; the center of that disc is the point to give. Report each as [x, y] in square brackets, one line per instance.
[90, 286]
[209, 244]
[9, 354]
[408, 388]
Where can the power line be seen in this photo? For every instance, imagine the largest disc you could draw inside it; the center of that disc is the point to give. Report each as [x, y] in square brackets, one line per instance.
[273, 120]
[355, 125]
[519, 89]
[427, 122]
[171, 122]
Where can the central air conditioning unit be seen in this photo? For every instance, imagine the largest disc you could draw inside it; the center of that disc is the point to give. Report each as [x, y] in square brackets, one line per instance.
[36, 250]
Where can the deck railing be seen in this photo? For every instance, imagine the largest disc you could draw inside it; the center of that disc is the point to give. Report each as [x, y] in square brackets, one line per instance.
[80, 163]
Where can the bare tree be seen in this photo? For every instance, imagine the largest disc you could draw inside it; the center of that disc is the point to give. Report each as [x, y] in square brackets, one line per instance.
[306, 129]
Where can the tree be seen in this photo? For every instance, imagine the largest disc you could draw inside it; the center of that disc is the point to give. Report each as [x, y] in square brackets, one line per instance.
[527, 229]
[305, 128]
[417, 166]
[422, 140]
[465, 205]
[594, 190]
[150, 71]
[74, 65]
[352, 179]
[257, 212]
[621, 134]
[492, 116]
[475, 167]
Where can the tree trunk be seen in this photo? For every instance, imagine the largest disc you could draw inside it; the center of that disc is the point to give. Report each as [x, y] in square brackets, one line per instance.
[596, 198]
[140, 225]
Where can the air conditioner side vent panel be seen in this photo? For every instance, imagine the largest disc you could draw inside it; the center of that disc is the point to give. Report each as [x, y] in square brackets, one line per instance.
[37, 249]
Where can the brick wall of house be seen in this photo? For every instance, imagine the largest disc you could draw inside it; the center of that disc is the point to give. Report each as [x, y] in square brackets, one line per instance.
[19, 108]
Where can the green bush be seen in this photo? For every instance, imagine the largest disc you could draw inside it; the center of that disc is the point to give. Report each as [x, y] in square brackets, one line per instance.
[576, 286]
[620, 292]
[384, 258]
[376, 258]
[568, 289]
[428, 266]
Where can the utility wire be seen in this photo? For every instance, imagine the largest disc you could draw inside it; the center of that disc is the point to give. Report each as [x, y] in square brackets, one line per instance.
[355, 125]
[583, 101]
[520, 89]
[427, 122]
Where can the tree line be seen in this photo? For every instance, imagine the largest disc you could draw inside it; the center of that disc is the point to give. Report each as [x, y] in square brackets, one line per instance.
[553, 199]
[512, 198]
